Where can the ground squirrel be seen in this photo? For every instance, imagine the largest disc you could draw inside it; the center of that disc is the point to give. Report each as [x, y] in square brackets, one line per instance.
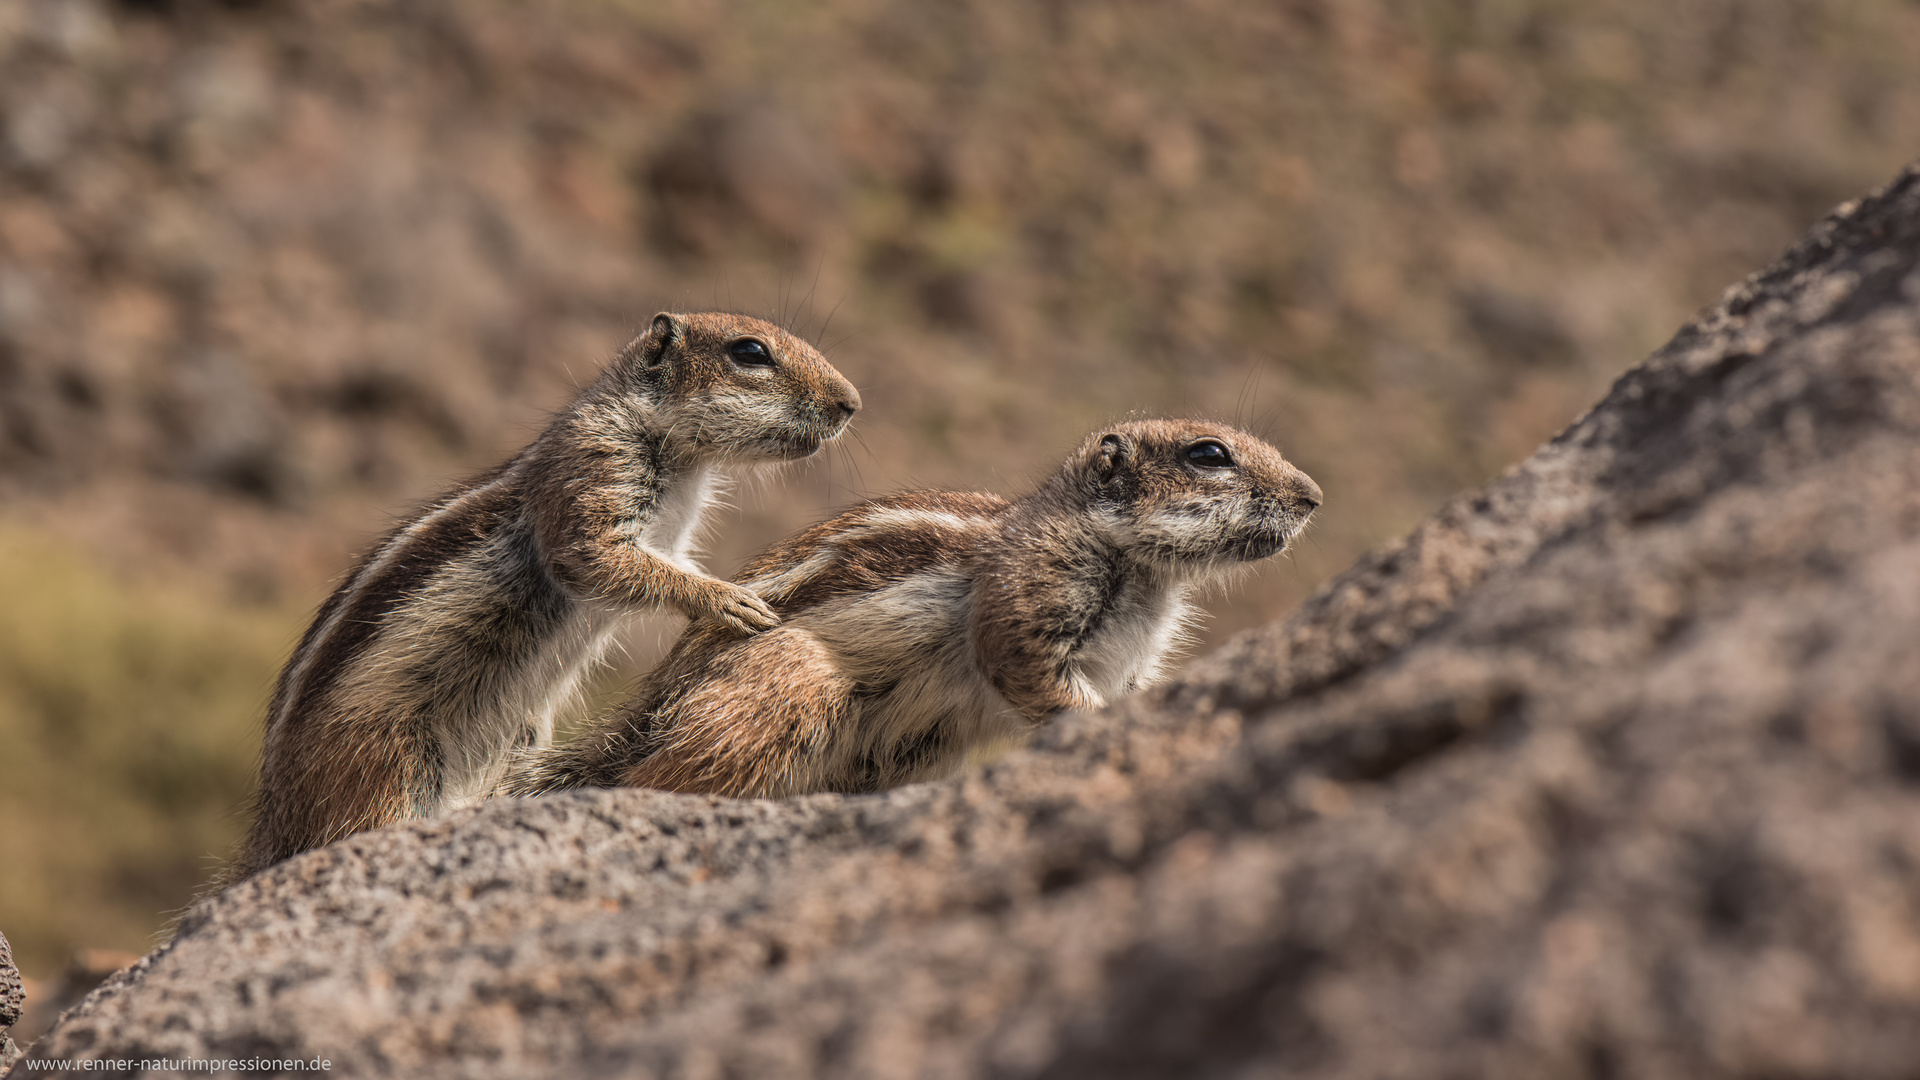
[921, 626]
[456, 639]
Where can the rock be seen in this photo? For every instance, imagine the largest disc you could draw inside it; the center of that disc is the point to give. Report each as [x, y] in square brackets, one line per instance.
[13, 999]
[1610, 769]
[46, 999]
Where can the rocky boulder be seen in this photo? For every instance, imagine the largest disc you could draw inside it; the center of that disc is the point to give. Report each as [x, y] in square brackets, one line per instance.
[13, 999]
[1610, 769]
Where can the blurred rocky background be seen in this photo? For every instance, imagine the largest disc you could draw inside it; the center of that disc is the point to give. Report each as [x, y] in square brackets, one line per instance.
[272, 271]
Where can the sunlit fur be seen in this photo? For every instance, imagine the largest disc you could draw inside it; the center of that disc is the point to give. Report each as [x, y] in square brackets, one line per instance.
[919, 627]
[464, 630]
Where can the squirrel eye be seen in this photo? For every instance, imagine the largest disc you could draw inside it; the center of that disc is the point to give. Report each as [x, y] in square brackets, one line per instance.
[1210, 455]
[750, 353]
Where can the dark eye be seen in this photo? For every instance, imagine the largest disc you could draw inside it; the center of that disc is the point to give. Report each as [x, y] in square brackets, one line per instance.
[750, 353]
[1209, 455]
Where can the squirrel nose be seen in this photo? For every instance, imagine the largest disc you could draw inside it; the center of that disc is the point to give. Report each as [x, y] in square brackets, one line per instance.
[1308, 492]
[849, 404]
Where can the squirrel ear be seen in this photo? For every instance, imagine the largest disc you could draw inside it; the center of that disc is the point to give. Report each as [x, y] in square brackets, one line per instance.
[1113, 451]
[663, 333]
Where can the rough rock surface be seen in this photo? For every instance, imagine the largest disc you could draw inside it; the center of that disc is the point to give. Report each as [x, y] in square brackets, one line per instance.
[12, 1000]
[1611, 769]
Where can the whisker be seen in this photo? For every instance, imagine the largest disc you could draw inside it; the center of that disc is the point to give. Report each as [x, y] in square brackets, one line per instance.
[1250, 384]
[806, 302]
[842, 341]
[828, 325]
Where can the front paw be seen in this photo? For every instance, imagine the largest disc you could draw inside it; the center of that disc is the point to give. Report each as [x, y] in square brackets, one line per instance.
[743, 611]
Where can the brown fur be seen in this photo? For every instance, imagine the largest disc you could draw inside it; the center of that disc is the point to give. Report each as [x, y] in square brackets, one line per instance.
[461, 632]
[918, 627]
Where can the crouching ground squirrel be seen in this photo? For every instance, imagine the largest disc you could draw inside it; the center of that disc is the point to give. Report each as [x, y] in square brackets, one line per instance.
[920, 626]
[457, 638]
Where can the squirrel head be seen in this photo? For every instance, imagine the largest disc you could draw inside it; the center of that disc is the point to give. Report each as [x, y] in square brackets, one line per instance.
[740, 386]
[1190, 495]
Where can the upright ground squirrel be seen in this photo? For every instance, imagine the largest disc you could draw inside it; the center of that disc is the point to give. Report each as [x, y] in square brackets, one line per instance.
[459, 635]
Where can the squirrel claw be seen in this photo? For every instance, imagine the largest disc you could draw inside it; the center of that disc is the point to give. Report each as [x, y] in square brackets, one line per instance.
[746, 613]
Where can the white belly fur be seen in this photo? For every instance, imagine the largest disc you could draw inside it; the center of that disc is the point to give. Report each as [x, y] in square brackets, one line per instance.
[1130, 648]
[673, 527]
[553, 678]
[550, 682]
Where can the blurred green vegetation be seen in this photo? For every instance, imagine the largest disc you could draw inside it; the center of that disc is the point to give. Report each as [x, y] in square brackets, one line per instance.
[130, 720]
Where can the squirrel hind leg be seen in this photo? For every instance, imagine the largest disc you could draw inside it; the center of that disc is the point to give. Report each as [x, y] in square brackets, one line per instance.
[765, 731]
[321, 797]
